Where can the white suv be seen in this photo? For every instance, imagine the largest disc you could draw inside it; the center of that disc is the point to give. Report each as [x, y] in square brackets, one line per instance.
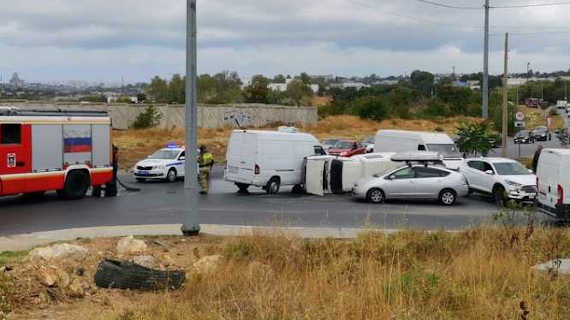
[503, 178]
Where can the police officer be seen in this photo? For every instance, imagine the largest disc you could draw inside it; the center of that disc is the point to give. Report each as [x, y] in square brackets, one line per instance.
[205, 162]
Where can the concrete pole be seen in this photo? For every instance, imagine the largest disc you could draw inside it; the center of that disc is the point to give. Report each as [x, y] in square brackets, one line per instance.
[505, 98]
[485, 90]
[191, 226]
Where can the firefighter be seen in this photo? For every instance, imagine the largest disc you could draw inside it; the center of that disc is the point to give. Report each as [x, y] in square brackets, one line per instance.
[205, 162]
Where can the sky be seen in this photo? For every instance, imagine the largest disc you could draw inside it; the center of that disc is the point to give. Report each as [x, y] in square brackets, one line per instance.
[103, 40]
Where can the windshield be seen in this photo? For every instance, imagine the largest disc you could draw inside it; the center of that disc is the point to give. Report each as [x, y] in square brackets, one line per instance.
[522, 133]
[330, 141]
[165, 154]
[344, 145]
[445, 149]
[539, 129]
[511, 169]
[368, 140]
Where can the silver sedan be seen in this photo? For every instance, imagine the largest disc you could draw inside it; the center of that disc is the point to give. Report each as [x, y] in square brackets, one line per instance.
[414, 182]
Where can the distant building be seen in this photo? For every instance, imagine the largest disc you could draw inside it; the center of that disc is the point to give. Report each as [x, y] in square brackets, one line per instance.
[16, 82]
[345, 85]
[282, 87]
[474, 84]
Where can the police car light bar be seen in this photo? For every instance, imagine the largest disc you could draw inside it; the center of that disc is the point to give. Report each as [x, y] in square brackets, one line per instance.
[172, 145]
[417, 157]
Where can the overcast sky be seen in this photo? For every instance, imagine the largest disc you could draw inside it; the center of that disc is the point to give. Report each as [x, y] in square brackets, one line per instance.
[102, 40]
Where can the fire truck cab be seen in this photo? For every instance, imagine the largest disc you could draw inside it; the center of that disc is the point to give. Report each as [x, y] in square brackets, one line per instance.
[65, 151]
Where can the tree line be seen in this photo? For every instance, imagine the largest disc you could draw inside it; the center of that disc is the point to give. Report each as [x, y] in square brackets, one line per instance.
[227, 87]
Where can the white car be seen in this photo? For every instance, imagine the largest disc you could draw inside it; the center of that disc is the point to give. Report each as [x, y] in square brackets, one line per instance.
[165, 164]
[501, 177]
[413, 182]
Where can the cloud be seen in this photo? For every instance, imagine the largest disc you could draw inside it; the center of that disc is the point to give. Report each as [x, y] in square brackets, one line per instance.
[103, 39]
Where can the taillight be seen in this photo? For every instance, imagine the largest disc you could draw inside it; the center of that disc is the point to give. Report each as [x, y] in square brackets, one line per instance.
[560, 195]
[257, 170]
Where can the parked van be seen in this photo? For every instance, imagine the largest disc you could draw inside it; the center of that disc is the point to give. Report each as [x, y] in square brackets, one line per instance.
[410, 141]
[268, 159]
[553, 180]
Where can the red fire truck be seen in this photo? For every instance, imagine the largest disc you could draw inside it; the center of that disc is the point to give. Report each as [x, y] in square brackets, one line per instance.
[66, 151]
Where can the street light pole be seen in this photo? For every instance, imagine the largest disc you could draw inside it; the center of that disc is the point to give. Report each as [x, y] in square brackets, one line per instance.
[191, 226]
[486, 64]
[505, 97]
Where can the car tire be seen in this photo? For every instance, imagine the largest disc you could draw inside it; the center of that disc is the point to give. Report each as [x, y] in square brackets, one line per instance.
[273, 186]
[298, 189]
[375, 195]
[242, 187]
[171, 175]
[76, 185]
[499, 196]
[447, 197]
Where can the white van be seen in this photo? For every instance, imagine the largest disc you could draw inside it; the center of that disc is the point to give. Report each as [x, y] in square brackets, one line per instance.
[553, 179]
[268, 159]
[412, 141]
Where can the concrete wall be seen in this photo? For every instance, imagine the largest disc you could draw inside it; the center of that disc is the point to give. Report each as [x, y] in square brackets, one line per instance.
[248, 115]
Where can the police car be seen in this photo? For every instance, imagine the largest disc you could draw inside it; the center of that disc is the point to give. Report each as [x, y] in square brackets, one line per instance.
[165, 164]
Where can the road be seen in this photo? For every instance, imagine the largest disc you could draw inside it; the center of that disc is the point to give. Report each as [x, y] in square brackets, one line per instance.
[163, 203]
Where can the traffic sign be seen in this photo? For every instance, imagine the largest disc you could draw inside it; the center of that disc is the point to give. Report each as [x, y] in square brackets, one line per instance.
[520, 116]
[520, 124]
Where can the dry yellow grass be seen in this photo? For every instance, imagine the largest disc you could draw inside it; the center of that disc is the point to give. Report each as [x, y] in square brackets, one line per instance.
[480, 273]
[135, 145]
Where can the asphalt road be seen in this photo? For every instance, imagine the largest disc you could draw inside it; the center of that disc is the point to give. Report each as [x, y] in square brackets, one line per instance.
[163, 203]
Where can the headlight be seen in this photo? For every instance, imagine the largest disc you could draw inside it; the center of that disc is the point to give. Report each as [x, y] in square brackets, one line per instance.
[157, 167]
[513, 184]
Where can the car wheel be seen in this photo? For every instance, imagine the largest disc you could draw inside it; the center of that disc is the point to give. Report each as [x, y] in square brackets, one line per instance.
[171, 175]
[499, 195]
[375, 195]
[273, 186]
[447, 197]
[242, 187]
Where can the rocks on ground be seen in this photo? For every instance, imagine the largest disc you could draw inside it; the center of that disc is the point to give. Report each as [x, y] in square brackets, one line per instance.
[58, 251]
[130, 245]
[145, 261]
[561, 266]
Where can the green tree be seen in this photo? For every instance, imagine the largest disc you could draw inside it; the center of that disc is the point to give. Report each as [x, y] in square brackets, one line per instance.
[422, 81]
[158, 89]
[279, 79]
[149, 118]
[176, 89]
[305, 78]
[206, 88]
[475, 137]
[258, 90]
[371, 107]
[297, 90]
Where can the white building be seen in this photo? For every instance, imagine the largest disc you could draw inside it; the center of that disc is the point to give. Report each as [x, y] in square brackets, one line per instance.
[282, 87]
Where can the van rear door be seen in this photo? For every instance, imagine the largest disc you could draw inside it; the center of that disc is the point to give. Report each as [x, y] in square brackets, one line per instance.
[548, 175]
[241, 157]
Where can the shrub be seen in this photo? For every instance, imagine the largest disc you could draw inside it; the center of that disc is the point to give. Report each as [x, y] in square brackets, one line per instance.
[436, 108]
[149, 118]
[371, 107]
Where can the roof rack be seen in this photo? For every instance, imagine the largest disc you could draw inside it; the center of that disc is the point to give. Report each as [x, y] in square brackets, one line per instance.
[12, 111]
[421, 156]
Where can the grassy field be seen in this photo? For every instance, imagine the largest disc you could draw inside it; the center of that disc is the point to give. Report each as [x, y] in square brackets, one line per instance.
[137, 144]
[479, 273]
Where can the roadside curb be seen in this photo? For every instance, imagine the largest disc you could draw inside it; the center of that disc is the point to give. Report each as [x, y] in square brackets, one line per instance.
[30, 240]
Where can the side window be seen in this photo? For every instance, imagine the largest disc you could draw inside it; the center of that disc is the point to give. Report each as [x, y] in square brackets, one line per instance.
[11, 133]
[182, 156]
[406, 173]
[319, 151]
[421, 147]
[422, 172]
[477, 165]
[487, 167]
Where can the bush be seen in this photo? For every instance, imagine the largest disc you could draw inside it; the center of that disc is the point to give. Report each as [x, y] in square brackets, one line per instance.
[436, 108]
[475, 138]
[371, 107]
[149, 118]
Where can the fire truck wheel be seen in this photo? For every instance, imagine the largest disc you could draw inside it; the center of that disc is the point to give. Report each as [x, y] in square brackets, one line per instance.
[111, 189]
[76, 185]
[96, 192]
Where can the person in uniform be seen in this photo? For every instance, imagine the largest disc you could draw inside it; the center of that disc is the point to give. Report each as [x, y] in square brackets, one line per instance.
[205, 163]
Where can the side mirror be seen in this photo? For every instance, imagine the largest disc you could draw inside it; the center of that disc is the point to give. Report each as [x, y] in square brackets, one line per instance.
[489, 172]
[182, 158]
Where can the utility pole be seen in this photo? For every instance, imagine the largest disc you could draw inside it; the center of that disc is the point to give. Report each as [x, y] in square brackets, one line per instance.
[486, 64]
[505, 97]
[191, 226]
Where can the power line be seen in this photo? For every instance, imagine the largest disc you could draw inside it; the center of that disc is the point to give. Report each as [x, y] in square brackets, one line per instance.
[531, 5]
[443, 5]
